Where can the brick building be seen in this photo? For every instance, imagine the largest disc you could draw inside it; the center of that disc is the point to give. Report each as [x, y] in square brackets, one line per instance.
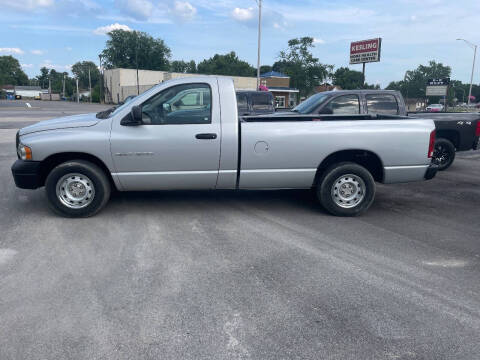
[279, 85]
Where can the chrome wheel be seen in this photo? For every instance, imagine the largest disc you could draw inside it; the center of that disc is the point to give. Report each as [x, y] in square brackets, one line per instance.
[348, 191]
[440, 155]
[75, 190]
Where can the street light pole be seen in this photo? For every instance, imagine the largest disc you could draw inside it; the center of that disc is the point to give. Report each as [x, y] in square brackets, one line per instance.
[259, 39]
[473, 67]
[90, 84]
[101, 78]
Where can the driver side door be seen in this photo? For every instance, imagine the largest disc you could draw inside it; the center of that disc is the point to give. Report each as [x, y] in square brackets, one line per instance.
[178, 144]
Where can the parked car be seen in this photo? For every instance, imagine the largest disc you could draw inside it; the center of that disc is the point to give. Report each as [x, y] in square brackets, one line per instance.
[434, 108]
[186, 134]
[254, 102]
[455, 131]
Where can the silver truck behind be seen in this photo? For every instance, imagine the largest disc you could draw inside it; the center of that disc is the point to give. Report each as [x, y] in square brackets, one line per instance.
[186, 134]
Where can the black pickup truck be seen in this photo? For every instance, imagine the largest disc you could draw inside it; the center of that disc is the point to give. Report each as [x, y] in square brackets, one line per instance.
[454, 131]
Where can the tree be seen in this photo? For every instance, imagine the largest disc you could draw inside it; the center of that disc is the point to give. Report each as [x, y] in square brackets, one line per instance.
[348, 79]
[80, 71]
[129, 49]
[183, 66]
[305, 71]
[415, 81]
[228, 64]
[11, 72]
[43, 77]
[264, 69]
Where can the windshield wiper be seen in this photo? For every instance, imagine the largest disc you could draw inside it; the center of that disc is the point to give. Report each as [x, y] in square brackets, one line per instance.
[104, 114]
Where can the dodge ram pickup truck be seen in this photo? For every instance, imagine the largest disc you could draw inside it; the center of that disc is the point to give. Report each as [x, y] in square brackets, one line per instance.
[186, 134]
[454, 131]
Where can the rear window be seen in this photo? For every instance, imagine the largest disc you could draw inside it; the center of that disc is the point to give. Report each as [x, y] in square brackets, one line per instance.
[262, 101]
[344, 105]
[382, 104]
[242, 101]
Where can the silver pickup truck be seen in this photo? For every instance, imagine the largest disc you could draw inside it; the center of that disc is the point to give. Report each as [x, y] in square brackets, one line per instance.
[186, 134]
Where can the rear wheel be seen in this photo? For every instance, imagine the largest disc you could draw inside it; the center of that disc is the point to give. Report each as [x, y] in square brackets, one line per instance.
[346, 189]
[77, 188]
[444, 153]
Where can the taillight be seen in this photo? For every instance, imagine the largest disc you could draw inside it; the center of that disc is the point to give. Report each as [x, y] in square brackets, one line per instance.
[431, 144]
[477, 130]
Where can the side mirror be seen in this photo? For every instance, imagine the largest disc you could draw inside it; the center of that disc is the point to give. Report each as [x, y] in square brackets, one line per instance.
[134, 118]
[167, 107]
[326, 111]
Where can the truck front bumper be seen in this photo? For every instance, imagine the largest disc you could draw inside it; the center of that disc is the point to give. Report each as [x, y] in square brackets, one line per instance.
[26, 174]
[431, 172]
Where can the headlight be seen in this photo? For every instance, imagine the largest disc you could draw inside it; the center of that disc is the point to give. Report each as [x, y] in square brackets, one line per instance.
[24, 152]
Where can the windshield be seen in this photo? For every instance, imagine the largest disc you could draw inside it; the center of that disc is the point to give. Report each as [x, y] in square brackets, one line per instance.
[311, 103]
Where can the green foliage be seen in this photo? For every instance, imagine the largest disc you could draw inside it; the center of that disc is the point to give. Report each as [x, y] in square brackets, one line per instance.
[264, 69]
[183, 66]
[96, 93]
[57, 79]
[80, 71]
[228, 64]
[415, 81]
[305, 71]
[348, 79]
[11, 72]
[126, 49]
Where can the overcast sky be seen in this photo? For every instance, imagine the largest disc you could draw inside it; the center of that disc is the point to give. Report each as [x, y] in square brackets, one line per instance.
[57, 33]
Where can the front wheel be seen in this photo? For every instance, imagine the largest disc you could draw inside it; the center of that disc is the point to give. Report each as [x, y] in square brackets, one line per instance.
[444, 154]
[77, 188]
[346, 189]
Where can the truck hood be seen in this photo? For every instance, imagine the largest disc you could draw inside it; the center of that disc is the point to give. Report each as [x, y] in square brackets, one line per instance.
[74, 121]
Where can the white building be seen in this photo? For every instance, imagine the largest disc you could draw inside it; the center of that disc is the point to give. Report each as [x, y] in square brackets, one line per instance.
[121, 83]
[28, 92]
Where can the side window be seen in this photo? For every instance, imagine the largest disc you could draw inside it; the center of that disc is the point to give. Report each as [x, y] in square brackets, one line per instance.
[242, 103]
[262, 101]
[345, 104]
[181, 104]
[382, 104]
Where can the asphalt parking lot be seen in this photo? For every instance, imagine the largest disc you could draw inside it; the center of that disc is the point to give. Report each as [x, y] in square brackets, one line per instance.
[240, 275]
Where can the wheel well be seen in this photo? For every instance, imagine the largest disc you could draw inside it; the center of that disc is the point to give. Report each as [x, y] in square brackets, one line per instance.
[367, 159]
[451, 135]
[53, 160]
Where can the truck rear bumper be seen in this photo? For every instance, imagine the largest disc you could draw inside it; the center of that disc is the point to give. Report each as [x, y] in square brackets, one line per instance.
[26, 174]
[400, 174]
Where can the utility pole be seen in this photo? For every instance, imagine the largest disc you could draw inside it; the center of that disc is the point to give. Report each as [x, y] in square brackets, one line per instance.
[50, 87]
[259, 39]
[101, 78]
[63, 92]
[136, 60]
[78, 94]
[90, 84]
[474, 47]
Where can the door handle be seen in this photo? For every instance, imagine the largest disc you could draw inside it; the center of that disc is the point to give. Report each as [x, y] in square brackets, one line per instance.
[207, 136]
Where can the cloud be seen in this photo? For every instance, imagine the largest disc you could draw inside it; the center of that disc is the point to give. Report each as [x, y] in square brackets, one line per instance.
[16, 51]
[137, 9]
[37, 52]
[240, 14]
[28, 4]
[48, 64]
[69, 48]
[318, 41]
[26, 66]
[184, 10]
[103, 30]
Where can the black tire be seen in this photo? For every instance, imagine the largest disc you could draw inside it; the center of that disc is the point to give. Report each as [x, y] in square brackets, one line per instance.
[99, 183]
[327, 192]
[444, 154]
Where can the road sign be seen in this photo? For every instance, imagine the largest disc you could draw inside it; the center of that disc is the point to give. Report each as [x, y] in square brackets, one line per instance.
[437, 90]
[438, 82]
[365, 51]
